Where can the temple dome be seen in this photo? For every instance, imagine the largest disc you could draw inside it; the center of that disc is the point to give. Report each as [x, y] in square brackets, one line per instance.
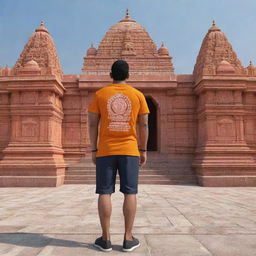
[41, 49]
[162, 51]
[127, 37]
[225, 67]
[129, 41]
[42, 28]
[33, 65]
[215, 47]
[92, 51]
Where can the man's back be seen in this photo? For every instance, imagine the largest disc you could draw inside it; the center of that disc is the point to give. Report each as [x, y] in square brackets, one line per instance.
[118, 106]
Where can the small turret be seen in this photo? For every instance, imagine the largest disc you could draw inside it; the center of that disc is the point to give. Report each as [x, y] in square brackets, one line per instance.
[162, 51]
[225, 68]
[92, 51]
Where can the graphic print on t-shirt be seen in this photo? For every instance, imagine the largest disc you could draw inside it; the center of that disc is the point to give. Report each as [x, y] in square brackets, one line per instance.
[119, 112]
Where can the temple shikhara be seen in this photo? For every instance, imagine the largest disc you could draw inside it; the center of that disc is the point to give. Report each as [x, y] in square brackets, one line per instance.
[202, 125]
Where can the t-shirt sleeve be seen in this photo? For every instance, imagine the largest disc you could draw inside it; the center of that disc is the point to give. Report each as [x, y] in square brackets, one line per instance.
[94, 106]
[143, 105]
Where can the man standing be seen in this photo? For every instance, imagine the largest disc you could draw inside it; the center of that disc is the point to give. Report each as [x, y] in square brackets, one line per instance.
[117, 108]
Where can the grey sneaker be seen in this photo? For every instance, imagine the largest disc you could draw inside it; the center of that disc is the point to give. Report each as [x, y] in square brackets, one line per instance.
[129, 246]
[103, 244]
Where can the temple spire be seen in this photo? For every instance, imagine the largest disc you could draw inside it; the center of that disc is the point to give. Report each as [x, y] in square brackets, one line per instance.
[40, 48]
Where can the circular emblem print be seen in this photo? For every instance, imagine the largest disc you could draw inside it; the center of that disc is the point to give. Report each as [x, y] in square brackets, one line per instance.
[119, 106]
[119, 110]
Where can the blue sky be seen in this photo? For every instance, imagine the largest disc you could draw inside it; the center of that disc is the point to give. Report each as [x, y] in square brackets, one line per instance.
[74, 24]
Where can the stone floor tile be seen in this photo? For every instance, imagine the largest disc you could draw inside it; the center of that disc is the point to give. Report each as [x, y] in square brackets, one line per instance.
[229, 245]
[179, 220]
[178, 245]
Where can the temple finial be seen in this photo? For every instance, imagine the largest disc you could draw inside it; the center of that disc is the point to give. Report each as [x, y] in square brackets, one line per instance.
[127, 16]
[42, 23]
[213, 23]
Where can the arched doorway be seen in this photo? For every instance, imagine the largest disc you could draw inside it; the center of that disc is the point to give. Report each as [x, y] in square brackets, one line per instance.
[152, 125]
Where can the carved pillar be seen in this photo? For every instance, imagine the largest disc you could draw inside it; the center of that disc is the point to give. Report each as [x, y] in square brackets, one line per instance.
[4, 120]
[210, 122]
[34, 154]
[84, 124]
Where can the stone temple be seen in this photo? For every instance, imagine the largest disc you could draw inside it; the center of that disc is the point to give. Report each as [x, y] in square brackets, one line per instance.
[202, 125]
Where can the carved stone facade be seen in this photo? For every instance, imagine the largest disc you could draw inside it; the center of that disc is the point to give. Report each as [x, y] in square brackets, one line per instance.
[206, 120]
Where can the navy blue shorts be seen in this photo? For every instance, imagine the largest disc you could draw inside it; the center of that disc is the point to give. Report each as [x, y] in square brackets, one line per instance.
[106, 169]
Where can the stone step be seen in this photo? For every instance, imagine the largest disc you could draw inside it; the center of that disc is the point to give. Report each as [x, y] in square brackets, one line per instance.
[154, 182]
[156, 158]
[160, 169]
[141, 172]
[150, 162]
[146, 177]
[147, 166]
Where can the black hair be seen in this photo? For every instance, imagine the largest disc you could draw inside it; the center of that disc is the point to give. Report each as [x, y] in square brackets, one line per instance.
[120, 70]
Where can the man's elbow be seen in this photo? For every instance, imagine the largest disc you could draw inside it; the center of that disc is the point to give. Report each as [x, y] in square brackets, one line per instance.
[93, 120]
[93, 125]
[143, 126]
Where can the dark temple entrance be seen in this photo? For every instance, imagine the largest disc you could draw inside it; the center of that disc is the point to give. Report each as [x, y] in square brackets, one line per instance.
[152, 123]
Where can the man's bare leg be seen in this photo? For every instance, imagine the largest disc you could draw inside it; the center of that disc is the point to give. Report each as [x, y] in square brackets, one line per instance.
[129, 211]
[105, 210]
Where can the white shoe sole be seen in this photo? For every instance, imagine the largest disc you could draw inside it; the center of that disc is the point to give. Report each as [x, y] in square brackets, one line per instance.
[102, 249]
[131, 249]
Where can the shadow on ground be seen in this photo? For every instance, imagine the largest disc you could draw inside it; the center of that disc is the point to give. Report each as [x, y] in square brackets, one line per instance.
[39, 240]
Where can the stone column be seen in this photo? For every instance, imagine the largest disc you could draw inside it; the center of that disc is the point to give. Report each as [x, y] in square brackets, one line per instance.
[84, 119]
[4, 120]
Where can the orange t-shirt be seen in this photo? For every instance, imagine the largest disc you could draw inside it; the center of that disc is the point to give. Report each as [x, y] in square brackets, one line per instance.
[118, 106]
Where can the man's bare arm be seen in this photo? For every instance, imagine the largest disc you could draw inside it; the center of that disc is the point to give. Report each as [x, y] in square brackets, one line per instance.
[93, 132]
[143, 133]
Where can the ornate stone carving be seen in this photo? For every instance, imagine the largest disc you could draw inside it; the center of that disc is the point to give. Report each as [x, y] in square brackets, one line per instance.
[29, 127]
[41, 49]
[215, 48]
[226, 127]
[225, 97]
[29, 97]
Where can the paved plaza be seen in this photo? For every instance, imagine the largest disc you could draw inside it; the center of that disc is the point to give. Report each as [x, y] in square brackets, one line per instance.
[171, 220]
